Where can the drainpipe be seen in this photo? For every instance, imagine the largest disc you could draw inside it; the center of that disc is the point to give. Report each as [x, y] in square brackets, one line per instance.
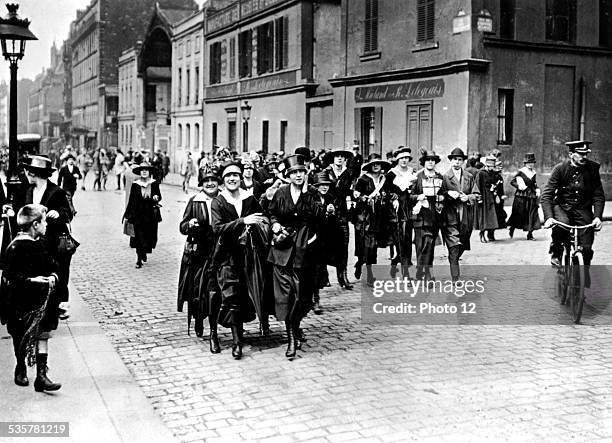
[582, 106]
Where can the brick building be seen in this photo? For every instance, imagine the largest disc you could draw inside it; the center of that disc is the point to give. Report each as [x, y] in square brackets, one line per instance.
[98, 36]
[275, 57]
[516, 75]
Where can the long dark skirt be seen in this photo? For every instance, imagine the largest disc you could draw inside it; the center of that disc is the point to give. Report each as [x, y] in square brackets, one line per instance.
[236, 305]
[293, 292]
[199, 289]
[366, 246]
[145, 237]
[525, 214]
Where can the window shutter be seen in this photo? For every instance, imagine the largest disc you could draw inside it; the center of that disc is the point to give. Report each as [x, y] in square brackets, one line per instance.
[285, 57]
[425, 20]
[378, 128]
[371, 26]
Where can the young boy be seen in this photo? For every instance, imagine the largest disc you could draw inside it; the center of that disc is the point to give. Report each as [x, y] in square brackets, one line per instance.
[31, 306]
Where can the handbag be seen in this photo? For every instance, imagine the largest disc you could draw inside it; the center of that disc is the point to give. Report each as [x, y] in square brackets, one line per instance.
[67, 245]
[157, 213]
[191, 248]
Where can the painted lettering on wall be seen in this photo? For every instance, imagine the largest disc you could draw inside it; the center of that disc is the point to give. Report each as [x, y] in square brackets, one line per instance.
[239, 10]
[222, 90]
[269, 83]
[401, 91]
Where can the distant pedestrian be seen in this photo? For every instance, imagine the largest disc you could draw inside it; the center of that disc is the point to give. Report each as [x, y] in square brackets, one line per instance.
[67, 180]
[30, 302]
[143, 212]
[119, 168]
[84, 162]
[166, 164]
[491, 186]
[187, 170]
[525, 206]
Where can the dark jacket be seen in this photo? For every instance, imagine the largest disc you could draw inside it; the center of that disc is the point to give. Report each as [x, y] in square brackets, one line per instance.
[456, 211]
[228, 225]
[431, 216]
[67, 180]
[54, 198]
[304, 219]
[571, 187]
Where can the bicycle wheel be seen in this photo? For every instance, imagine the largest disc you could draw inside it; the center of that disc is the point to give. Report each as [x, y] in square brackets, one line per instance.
[576, 289]
[563, 279]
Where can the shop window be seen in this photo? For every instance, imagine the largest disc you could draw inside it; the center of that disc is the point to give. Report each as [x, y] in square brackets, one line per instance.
[605, 23]
[245, 53]
[419, 126]
[265, 128]
[265, 48]
[506, 18]
[561, 20]
[368, 128]
[215, 63]
[505, 100]
[281, 42]
[283, 135]
[425, 21]
[214, 134]
[371, 26]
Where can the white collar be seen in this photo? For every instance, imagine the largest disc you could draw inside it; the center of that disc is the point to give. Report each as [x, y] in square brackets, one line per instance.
[529, 173]
[144, 184]
[202, 197]
[242, 195]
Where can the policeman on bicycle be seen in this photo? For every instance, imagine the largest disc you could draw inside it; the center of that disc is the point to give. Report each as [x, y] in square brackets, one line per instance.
[574, 195]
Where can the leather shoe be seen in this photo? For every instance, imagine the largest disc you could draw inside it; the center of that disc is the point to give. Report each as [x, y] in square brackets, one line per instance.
[21, 375]
[215, 348]
[138, 264]
[237, 351]
[555, 261]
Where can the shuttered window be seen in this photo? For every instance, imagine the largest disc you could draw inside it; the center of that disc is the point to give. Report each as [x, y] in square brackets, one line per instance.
[371, 26]
[418, 133]
[245, 53]
[265, 48]
[425, 20]
[281, 43]
[232, 58]
[506, 18]
[215, 63]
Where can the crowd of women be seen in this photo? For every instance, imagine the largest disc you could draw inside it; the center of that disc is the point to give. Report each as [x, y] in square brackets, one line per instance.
[262, 232]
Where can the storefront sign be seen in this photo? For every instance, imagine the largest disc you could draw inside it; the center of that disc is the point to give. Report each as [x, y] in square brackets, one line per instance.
[239, 10]
[402, 91]
[279, 81]
[222, 90]
[223, 18]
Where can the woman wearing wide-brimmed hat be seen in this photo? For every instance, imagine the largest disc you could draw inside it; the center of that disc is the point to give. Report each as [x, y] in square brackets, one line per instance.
[490, 213]
[427, 193]
[198, 285]
[525, 205]
[398, 182]
[143, 211]
[340, 175]
[38, 169]
[370, 214]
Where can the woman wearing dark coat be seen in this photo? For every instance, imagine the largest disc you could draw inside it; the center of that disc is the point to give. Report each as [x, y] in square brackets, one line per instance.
[233, 212]
[59, 214]
[296, 217]
[197, 280]
[489, 215]
[142, 212]
[525, 206]
[371, 215]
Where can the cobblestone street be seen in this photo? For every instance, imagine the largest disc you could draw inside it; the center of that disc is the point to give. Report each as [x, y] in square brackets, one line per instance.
[352, 381]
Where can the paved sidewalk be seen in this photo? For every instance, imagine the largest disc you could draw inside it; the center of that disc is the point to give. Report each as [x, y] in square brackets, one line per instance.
[99, 398]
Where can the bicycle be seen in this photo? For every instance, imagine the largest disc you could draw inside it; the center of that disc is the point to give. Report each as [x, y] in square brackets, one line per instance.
[571, 274]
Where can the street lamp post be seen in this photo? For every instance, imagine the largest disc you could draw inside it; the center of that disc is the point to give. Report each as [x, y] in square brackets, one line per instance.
[245, 111]
[13, 35]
